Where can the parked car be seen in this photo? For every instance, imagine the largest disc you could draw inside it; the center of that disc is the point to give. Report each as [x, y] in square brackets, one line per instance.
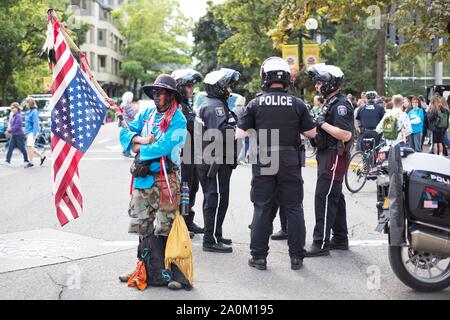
[4, 118]
[199, 97]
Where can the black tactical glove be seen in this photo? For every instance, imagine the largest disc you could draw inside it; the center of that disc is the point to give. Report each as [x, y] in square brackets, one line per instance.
[320, 120]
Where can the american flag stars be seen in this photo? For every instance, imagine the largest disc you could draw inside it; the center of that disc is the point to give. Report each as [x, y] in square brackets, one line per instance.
[78, 115]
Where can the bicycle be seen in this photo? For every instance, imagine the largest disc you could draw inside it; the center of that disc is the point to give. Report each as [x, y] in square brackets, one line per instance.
[43, 138]
[361, 164]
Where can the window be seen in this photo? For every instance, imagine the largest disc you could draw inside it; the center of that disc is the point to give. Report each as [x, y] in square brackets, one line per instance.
[104, 14]
[101, 63]
[83, 5]
[115, 44]
[102, 37]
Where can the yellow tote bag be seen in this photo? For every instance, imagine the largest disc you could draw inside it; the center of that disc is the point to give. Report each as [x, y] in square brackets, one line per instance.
[179, 248]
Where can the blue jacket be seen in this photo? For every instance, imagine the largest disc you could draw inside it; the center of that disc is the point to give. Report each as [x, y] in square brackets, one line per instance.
[32, 122]
[416, 117]
[167, 144]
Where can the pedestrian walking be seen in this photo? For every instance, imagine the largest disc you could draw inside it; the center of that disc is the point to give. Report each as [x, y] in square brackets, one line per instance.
[32, 129]
[17, 136]
[277, 111]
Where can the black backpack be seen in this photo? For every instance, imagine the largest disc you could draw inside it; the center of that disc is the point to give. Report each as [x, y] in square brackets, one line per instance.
[442, 119]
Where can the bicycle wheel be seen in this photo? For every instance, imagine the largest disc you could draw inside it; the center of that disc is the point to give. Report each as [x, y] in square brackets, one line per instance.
[356, 175]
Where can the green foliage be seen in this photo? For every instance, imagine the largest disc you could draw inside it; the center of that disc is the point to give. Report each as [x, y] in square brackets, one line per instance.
[234, 34]
[209, 33]
[156, 31]
[22, 34]
[132, 70]
[354, 50]
[420, 24]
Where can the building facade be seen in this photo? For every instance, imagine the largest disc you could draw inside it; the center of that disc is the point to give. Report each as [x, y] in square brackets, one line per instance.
[104, 46]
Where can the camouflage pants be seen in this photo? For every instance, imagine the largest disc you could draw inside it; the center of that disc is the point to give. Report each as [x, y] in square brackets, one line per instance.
[145, 207]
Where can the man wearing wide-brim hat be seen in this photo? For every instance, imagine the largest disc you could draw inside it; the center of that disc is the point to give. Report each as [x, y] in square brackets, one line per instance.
[156, 136]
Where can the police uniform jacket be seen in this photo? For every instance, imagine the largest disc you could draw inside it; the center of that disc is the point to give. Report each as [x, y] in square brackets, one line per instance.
[276, 109]
[339, 113]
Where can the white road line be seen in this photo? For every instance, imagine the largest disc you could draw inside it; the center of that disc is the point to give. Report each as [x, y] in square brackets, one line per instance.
[368, 243]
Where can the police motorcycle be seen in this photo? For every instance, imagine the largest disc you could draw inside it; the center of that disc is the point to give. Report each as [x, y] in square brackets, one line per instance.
[413, 202]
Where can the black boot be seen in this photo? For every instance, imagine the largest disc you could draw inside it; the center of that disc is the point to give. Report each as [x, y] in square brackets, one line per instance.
[217, 247]
[316, 250]
[260, 264]
[338, 244]
[296, 263]
[280, 235]
[195, 228]
[228, 242]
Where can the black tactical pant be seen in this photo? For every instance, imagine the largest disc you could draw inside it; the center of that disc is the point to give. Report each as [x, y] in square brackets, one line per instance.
[329, 203]
[189, 174]
[216, 193]
[286, 186]
[281, 213]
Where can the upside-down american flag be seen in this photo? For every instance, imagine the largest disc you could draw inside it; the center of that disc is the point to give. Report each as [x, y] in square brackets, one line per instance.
[77, 115]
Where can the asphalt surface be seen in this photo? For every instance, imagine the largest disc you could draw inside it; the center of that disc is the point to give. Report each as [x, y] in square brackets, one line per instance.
[26, 204]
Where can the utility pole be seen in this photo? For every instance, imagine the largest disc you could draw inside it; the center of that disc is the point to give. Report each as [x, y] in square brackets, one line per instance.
[300, 60]
[439, 69]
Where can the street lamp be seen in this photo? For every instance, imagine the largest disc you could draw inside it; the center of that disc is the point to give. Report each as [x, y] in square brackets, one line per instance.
[311, 24]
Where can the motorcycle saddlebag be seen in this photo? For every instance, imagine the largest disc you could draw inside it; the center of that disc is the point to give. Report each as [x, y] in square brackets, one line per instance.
[428, 198]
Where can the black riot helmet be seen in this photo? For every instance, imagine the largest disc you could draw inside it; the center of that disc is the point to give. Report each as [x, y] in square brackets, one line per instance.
[330, 76]
[371, 95]
[217, 82]
[275, 69]
[185, 77]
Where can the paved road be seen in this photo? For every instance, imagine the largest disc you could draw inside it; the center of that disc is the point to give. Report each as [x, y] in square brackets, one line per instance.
[92, 251]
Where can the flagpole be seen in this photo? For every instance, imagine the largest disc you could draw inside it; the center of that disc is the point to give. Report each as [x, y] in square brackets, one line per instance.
[83, 58]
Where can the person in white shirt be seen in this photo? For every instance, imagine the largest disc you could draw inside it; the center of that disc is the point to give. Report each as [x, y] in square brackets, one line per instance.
[403, 123]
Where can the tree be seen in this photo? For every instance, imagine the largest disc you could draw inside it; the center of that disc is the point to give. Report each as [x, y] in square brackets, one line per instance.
[133, 71]
[156, 32]
[421, 22]
[354, 50]
[209, 33]
[22, 35]
[295, 13]
[234, 34]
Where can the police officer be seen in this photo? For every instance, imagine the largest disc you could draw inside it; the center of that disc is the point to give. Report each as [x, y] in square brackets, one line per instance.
[335, 125]
[215, 171]
[369, 116]
[186, 79]
[276, 112]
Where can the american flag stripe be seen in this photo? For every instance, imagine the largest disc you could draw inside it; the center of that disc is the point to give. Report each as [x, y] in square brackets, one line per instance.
[71, 135]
